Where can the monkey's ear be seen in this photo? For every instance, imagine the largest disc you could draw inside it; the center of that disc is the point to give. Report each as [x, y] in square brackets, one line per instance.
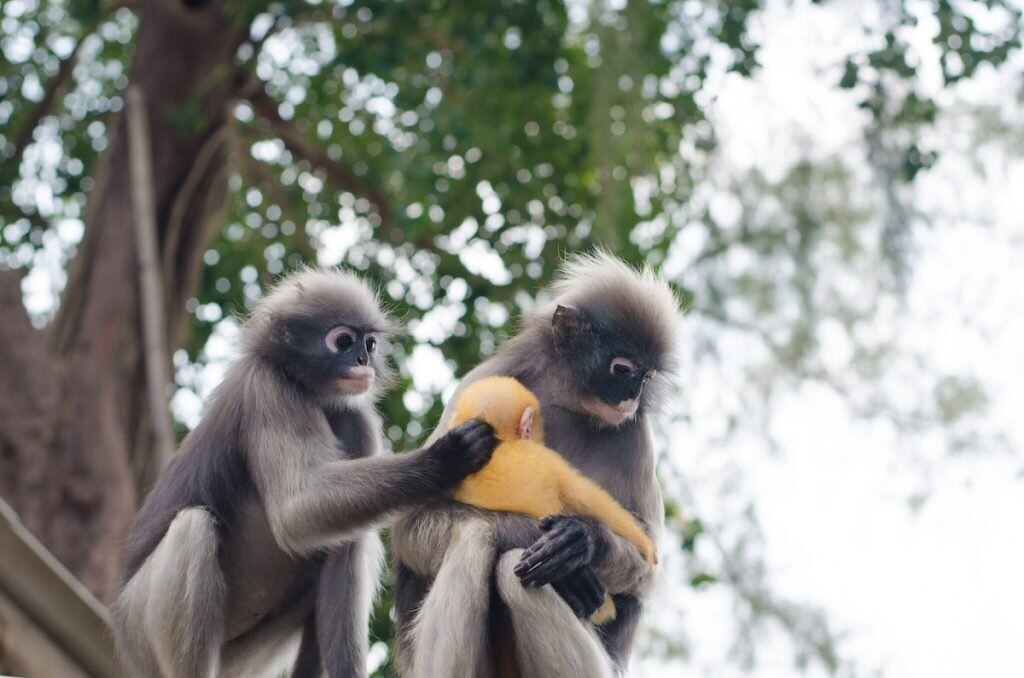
[567, 321]
[526, 424]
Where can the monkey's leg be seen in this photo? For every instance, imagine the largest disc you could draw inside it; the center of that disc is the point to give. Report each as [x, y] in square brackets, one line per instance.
[170, 616]
[410, 591]
[272, 642]
[450, 633]
[133, 645]
[344, 602]
[550, 641]
[308, 662]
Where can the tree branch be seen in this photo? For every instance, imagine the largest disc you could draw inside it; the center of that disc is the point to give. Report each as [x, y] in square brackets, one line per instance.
[301, 146]
[154, 330]
[29, 396]
[257, 172]
[57, 82]
[217, 139]
[10, 212]
[42, 109]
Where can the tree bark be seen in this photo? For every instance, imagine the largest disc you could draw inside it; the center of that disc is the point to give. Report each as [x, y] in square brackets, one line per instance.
[75, 441]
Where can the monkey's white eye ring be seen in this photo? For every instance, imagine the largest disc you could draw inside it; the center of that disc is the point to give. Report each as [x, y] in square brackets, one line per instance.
[339, 339]
[622, 367]
[371, 344]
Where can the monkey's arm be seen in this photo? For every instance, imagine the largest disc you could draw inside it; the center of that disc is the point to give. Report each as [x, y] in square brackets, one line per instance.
[312, 499]
[420, 537]
[614, 560]
[573, 541]
[526, 477]
[617, 563]
[585, 497]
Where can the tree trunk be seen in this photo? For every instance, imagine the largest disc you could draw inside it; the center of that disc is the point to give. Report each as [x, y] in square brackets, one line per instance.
[75, 443]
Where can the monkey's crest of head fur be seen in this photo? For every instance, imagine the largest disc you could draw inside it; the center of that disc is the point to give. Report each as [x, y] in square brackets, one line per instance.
[639, 304]
[499, 401]
[327, 293]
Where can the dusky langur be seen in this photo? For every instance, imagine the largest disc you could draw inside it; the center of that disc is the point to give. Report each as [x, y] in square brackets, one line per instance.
[512, 591]
[262, 527]
[524, 476]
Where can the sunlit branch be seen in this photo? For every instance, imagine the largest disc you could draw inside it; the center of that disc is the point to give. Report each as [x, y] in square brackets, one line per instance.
[280, 21]
[301, 146]
[258, 172]
[218, 138]
[24, 136]
[11, 212]
[53, 88]
[154, 330]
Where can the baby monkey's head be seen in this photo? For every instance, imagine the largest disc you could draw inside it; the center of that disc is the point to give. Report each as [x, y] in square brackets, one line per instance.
[505, 404]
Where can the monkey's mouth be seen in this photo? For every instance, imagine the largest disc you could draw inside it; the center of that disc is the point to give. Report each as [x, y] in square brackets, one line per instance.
[357, 380]
[612, 415]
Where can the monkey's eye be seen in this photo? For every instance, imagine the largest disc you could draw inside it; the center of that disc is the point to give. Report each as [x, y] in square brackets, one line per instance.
[622, 367]
[649, 375]
[340, 339]
[371, 344]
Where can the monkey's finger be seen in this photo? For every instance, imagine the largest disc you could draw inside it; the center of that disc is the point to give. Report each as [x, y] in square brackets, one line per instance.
[549, 545]
[566, 529]
[563, 533]
[578, 589]
[537, 553]
[482, 438]
[468, 447]
[550, 561]
[547, 522]
[591, 590]
[475, 432]
[473, 429]
[566, 593]
[569, 539]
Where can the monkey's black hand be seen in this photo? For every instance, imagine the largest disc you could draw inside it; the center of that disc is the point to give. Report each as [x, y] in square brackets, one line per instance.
[463, 450]
[582, 591]
[566, 545]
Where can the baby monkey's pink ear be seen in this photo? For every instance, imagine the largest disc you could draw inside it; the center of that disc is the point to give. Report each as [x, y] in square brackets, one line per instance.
[526, 424]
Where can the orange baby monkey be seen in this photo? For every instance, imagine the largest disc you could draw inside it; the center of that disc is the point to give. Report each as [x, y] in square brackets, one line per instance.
[524, 476]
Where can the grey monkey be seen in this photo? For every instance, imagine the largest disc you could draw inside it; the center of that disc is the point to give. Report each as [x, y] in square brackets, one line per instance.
[498, 594]
[262, 527]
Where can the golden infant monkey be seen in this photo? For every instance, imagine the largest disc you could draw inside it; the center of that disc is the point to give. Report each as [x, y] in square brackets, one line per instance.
[524, 476]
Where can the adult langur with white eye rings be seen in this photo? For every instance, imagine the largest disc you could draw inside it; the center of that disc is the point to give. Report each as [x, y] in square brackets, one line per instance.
[262, 528]
[512, 593]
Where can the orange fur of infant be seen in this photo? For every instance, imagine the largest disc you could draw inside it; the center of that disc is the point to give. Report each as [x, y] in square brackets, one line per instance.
[524, 476]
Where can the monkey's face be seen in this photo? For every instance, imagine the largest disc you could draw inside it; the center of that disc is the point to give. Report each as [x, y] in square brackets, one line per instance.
[331, 358]
[350, 353]
[611, 365]
[618, 387]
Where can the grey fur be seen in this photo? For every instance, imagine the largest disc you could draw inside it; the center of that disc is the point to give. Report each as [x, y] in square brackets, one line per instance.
[169, 608]
[262, 524]
[574, 650]
[460, 591]
[550, 642]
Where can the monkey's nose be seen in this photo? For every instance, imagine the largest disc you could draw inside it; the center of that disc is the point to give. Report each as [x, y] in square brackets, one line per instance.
[363, 359]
